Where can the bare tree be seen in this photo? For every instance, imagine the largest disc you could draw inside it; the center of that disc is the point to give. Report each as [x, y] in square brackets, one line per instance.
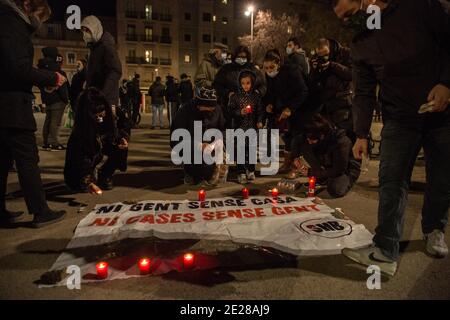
[272, 32]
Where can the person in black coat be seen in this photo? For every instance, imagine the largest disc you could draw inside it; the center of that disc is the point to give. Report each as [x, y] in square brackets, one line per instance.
[186, 89]
[327, 151]
[296, 56]
[135, 96]
[55, 100]
[104, 67]
[330, 84]
[17, 125]
[77, 85]
[203, 109]
[172, 94]
[248, 113]
[97, 132]
[285, 101]
[226, 82]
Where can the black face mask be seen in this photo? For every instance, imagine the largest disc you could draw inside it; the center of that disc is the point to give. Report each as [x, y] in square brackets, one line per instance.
[357, 22]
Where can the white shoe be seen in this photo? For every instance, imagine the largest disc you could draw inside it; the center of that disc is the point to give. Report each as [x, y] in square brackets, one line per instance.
[251, 176]
[371, 256]
[242, 178]
[436, 245]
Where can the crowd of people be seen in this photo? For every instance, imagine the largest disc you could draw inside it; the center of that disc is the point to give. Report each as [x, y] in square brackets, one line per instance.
[321, 104]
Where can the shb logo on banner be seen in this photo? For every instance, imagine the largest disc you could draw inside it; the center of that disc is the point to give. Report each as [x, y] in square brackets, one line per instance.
[326, 228]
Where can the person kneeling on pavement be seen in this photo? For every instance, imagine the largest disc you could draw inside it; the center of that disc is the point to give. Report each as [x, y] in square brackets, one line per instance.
[97, 131]
[203, 109]
[327, 155]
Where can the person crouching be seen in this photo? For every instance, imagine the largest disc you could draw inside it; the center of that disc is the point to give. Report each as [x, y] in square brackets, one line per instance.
[97, 132]
[327, 155]
[204, 109]
[248, 113]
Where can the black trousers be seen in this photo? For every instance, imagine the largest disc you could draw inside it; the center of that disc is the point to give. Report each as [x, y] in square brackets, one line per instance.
[20, 146]
[135, 112]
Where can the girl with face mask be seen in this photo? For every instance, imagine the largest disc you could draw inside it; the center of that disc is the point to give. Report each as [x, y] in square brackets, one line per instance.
[286, 94]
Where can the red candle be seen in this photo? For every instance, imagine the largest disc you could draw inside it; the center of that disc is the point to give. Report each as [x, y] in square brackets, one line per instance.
[202, 195]
[275, 193]
[248, 109]
[312, 187]
[245, 193]
[102, 270]
[188, 260]
[144, 265]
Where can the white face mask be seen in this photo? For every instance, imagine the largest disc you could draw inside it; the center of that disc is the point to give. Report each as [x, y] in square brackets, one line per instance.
[87, 37]
[273, 74]
[289, 50]
[241, 61]
[224, 56]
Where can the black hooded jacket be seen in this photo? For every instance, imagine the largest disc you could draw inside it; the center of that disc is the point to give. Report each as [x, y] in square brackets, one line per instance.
[104, 68]
[49, 62]
[18, 74]
[226, 81]
[241, 100]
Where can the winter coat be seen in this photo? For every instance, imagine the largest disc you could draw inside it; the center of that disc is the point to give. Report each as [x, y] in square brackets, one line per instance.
[287, 90]
[76, 87]
[156, 92]
[80, 167]
[49, 62]
[207, 70]
[172, 91]
[241, 100]
[18, 73]
[104, 68]
[186, 91]
[226, 81]
[300, 60]
[406, 58]
[332, 157]
[189, 113]
[330, 90]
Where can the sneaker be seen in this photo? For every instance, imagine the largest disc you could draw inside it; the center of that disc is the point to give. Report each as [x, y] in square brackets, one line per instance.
[436, 245]
[371, 256]
[251, 176]
[46, 147]
[58, 147]
[9, 217]
[189, 180]
[242, 178]
[47, 218]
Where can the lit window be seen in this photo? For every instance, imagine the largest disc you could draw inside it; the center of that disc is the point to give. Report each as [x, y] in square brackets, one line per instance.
[187, 58]
[225, 20]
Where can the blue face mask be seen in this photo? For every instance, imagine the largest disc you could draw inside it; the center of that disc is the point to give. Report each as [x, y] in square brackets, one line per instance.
[241, 61]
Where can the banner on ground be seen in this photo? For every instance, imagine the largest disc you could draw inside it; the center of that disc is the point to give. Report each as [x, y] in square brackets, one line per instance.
[294, 225]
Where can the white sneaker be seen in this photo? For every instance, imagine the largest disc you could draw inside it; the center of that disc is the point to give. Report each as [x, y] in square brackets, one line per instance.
[436, 245]
[251, 176]
[371, 256]
[242, 178]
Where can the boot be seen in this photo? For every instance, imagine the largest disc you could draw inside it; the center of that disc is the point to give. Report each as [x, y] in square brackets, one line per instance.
[287, 163]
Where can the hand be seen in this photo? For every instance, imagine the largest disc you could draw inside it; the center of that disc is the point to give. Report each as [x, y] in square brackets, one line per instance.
[94, 189]
[123, 145]
[324, 66]
[260, 125]
[285, 114]
[361, 148]
[269, 108]
[300, 167]
[440, 95]
[244, 111]
[204, 146]
[60, 79]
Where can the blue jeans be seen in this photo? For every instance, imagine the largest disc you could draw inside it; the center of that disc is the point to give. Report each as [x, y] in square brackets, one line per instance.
[399, 149]
[157, 111]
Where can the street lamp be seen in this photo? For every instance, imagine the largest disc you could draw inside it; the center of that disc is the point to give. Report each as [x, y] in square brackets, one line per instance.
[249, 12]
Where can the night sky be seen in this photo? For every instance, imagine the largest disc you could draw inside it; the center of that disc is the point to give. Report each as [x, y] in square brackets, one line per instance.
[88, 7]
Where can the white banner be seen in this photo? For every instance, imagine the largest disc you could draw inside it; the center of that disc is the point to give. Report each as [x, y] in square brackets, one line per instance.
[294, 225]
